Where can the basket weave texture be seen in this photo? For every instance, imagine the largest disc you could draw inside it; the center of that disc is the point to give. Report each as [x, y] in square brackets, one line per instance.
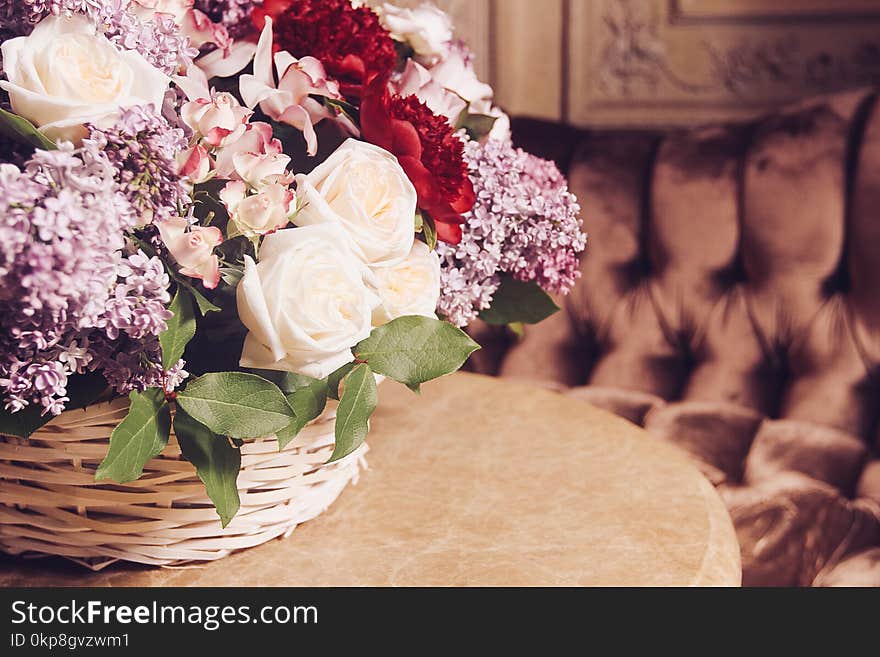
[50, 503]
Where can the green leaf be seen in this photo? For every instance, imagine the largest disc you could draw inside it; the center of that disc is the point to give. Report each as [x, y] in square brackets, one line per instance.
[236, 404]
[231, 276]
[358, 402]
[515, 301]
[289, 382]
[308, 403]
[216, 461]
[429, 230]
[202, 303]
[413, 350]
[181, 329]
[141, 436]
[20, 129]
[343, 108]
[335, 379]
[82, 389]
[478, 125]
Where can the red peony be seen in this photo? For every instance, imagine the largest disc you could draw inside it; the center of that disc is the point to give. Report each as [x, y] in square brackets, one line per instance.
[428, 150]
[351, 43]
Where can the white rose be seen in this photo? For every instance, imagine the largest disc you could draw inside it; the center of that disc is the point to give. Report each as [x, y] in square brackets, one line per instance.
[306, 303]
[425, 28]
[410, 288]
[65, 75]
[362, 188]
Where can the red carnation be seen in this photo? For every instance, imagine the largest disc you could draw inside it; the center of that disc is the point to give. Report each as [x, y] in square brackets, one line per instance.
[428, 150]
[350, 42]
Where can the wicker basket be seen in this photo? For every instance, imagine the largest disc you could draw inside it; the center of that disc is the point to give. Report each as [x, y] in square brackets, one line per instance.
[51, 505]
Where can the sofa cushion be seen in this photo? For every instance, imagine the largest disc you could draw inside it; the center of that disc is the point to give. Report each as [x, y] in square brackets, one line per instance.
[729, 301]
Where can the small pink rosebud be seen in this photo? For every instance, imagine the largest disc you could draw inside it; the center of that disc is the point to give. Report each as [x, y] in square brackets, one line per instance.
[219, 121]
[259, 169]
[257, 139]
[201, 30]
[260, 213]
[195, 164]
[193, 249]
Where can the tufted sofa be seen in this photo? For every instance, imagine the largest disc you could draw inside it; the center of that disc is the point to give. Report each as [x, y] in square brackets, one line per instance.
[730, 304]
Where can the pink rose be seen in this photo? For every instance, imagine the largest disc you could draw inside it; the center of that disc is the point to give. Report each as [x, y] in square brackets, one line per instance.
[258, 169]
[193, 249]
[260, 213]
[201, 30]
[195, 164]
[257, 138]
[193, 23]
[220, 120]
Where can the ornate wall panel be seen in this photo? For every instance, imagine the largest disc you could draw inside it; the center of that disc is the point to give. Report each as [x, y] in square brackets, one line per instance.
[667, 62]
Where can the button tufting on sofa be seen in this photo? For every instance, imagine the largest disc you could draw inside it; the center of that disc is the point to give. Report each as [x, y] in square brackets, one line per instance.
[729, 302]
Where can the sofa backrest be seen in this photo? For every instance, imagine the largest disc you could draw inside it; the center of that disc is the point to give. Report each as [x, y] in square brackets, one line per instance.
[737, 264]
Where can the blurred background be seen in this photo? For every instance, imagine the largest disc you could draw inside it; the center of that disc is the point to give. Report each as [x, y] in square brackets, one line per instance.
[659, 63]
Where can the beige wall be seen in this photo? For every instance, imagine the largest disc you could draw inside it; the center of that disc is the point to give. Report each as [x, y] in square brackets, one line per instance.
[667, 62]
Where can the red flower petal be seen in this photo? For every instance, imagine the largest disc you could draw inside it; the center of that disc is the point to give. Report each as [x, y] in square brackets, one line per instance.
[429, 151]
[349, 41]
[449, 233]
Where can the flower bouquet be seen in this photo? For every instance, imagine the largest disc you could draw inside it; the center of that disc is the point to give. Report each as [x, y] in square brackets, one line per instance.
[221, 223]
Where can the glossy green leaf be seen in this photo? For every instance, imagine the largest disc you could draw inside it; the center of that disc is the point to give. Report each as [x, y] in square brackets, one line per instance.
[478, 125]
[141, 436]
[429, 230]
[236, 404]
[289, 382]
[335, 379]
[181, 329]
[202, 302]
[20, 129]
[413, 350]
[359, 400]
[519, 302]
[308, 403]
[216, 460]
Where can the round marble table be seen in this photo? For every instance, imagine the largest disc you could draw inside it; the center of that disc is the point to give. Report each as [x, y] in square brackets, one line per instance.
[476, 482]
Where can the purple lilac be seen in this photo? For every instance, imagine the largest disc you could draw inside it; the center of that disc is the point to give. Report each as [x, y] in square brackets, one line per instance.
[524, 223]
[143, 147]
[73, 297]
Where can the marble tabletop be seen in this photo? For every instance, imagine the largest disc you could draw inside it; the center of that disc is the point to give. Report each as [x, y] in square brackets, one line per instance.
[476, 482]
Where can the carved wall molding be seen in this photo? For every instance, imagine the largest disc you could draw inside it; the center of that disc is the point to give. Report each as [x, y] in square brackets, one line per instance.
[639, 62]
[666, 62]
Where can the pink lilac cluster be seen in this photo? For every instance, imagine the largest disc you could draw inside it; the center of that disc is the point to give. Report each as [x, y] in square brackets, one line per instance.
[159, 40]
[73, 297]
[524, 223]
[143, 147]
[235, 15]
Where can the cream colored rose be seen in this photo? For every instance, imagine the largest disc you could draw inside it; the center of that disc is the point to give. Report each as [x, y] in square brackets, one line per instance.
[65, 75]
[410, 288]
[306, 303]
[362, 188]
